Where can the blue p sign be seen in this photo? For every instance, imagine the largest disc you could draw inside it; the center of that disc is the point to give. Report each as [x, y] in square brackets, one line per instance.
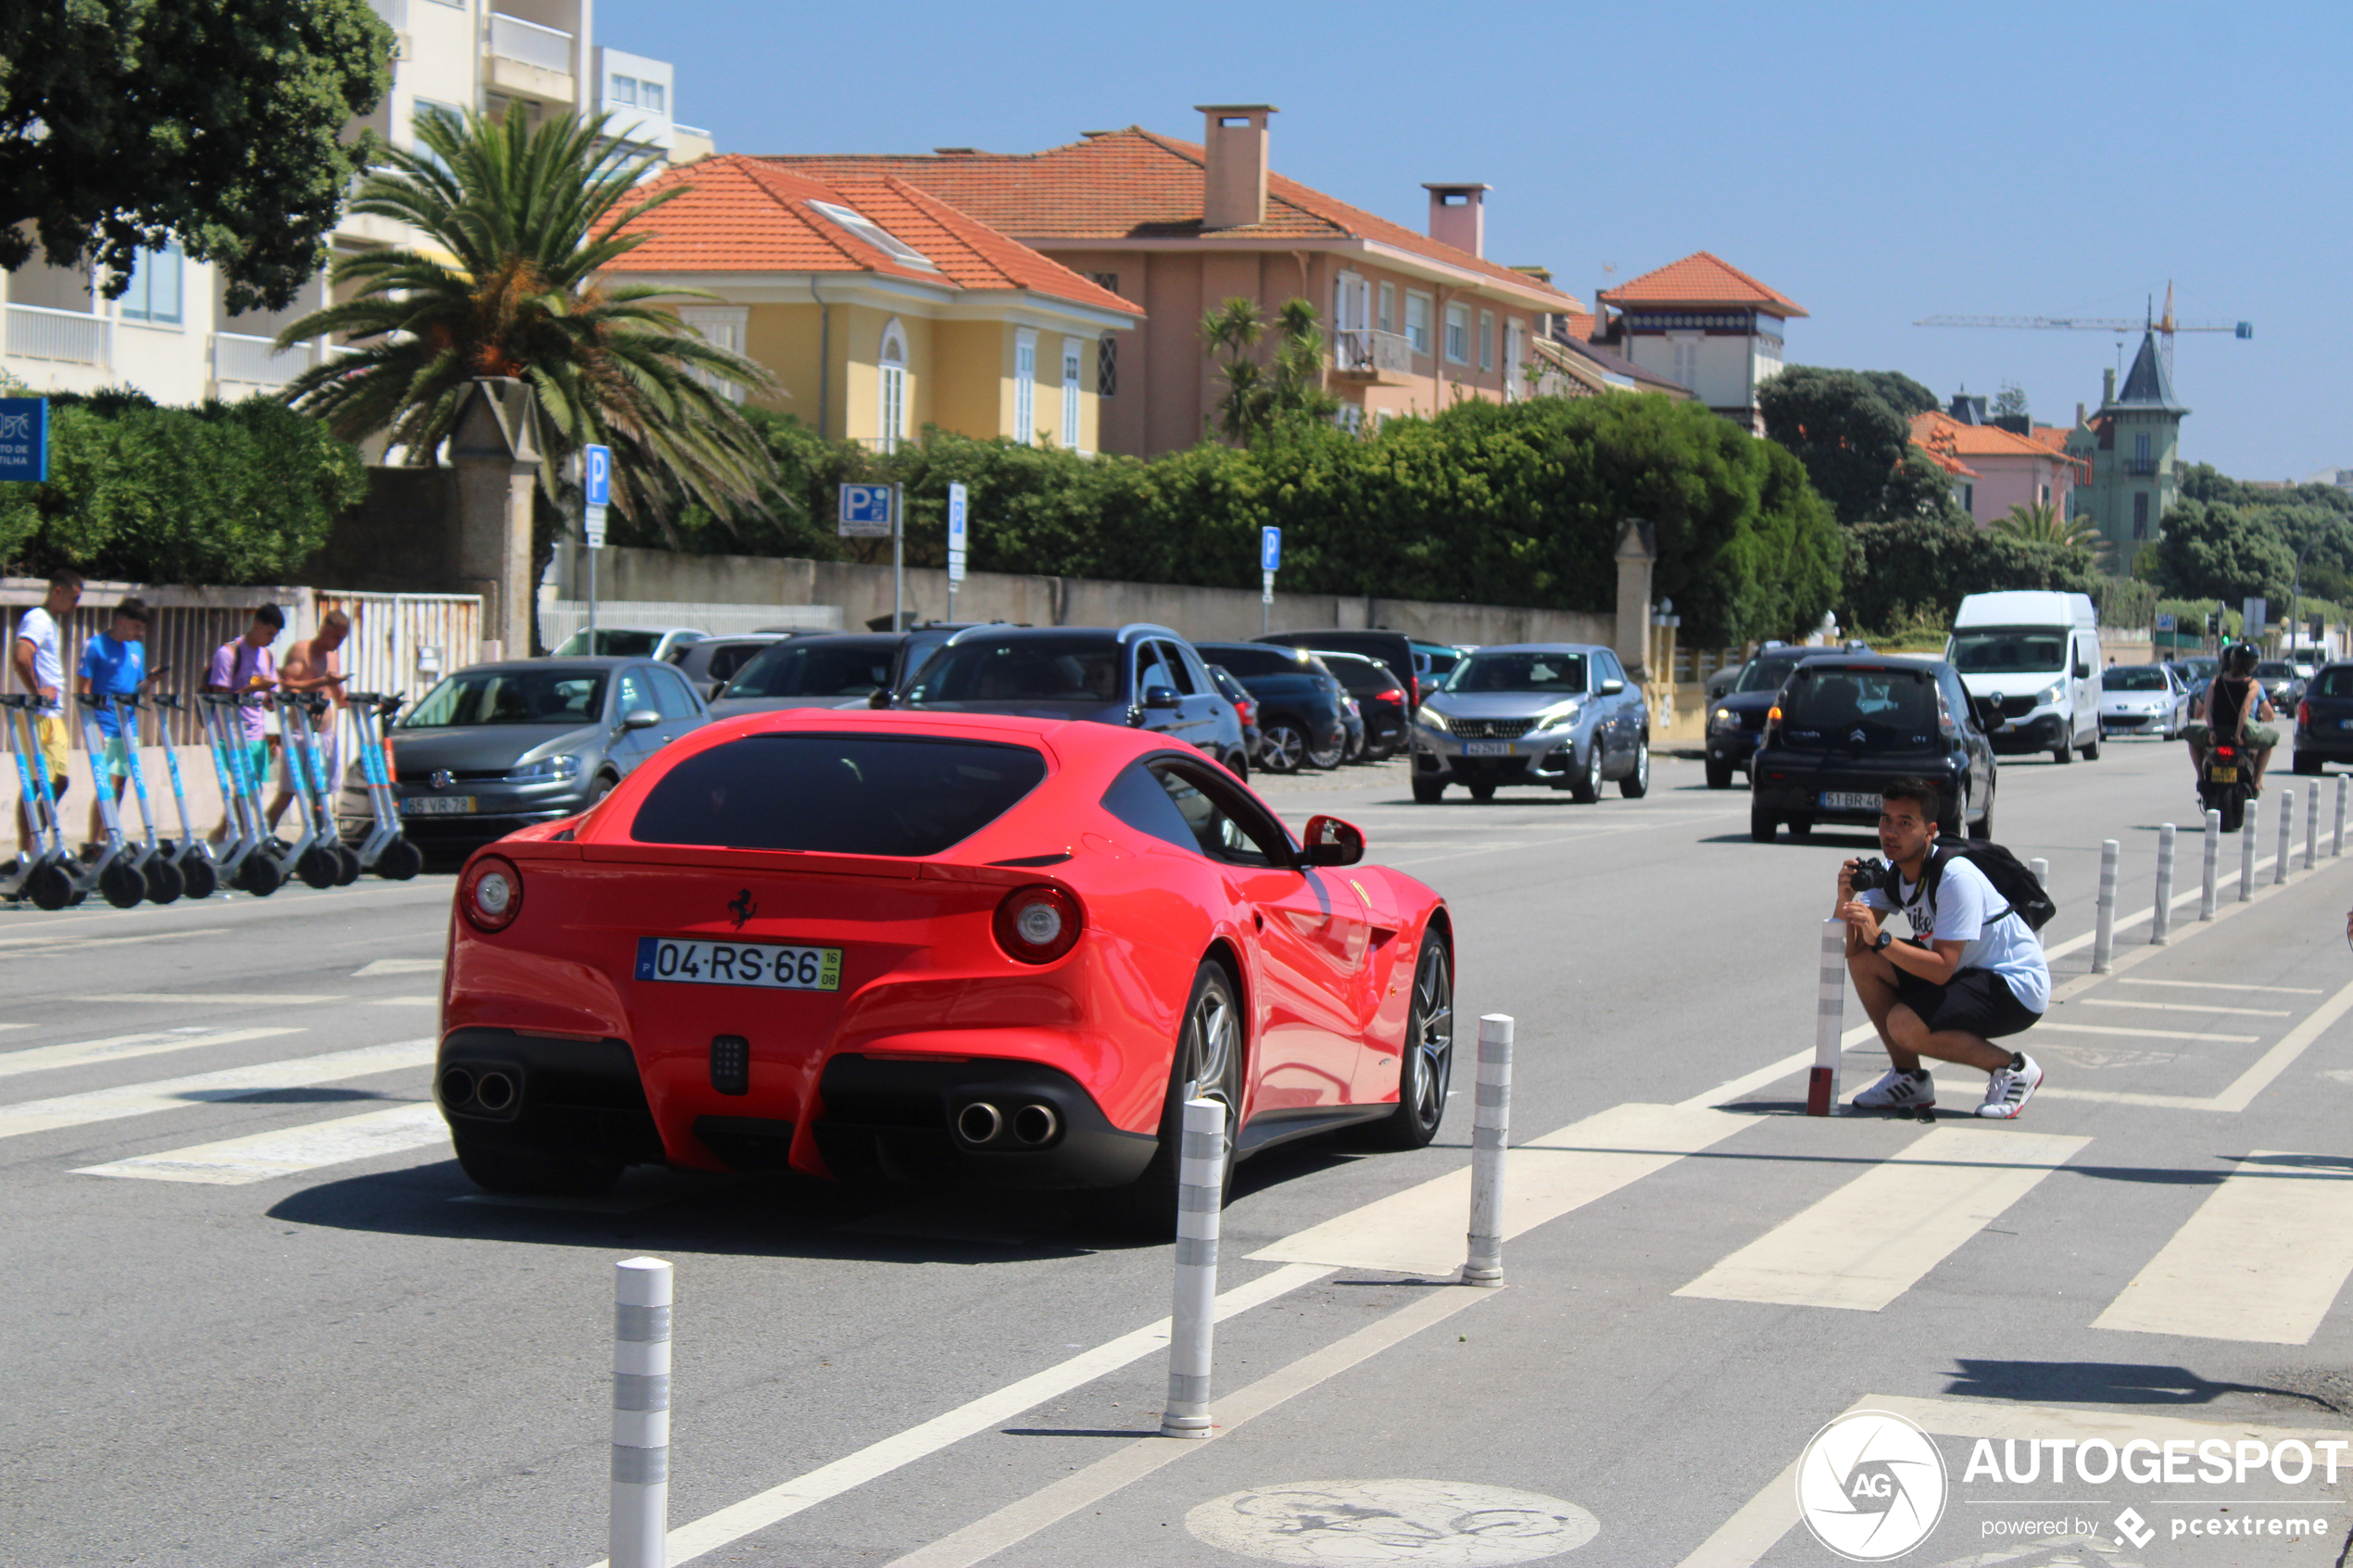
[1270, 550]
[597, 476]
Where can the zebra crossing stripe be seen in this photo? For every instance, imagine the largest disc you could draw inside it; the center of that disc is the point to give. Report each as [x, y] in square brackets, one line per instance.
[2262, 1259]
[122, 1047]
[200, 1088]
[287, 1152]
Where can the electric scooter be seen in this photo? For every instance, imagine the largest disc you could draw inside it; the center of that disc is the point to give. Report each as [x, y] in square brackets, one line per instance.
[299, 713]
[39, 875]
[116, 873]
[154, 854]
[245, 862]
[192, 855]
[386, 850]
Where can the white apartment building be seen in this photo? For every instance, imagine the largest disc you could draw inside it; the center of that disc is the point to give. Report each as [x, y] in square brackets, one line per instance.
[171, 336]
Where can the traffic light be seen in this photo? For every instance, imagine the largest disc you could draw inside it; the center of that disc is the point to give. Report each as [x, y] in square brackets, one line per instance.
[2214, 623]
[2313, 623]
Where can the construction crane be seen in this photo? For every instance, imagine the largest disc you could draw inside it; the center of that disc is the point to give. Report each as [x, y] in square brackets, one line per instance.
[2164, 325]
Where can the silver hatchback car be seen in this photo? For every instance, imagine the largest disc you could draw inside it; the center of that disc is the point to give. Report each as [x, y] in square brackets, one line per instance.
[1558, 714]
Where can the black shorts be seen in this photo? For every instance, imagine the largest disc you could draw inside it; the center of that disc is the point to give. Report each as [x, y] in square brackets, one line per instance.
[1975, 1001]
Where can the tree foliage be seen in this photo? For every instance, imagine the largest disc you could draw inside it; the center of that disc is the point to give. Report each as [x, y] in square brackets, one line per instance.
[215, 124]
[1919, 569]
[225, 492]
[1281, 395]
[1900, 392]
[2212, 549]
[2039, 523]
[1852, 430]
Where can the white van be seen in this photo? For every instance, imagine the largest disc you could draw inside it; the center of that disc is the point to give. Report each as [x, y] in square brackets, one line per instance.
[2040, 653]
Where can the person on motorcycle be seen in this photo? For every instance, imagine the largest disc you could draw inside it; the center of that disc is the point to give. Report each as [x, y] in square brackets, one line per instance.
[2233, 700]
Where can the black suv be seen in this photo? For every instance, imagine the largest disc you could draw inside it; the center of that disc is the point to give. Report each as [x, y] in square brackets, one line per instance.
[1300, 716]
[1848, 724]
[1736, 714]
[1141, 675]
[1378, 695]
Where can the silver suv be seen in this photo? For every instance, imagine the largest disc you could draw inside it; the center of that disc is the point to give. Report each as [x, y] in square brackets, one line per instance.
[1557, 714]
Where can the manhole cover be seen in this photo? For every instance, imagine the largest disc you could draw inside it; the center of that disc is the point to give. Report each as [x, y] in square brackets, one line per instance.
[1433, 1522]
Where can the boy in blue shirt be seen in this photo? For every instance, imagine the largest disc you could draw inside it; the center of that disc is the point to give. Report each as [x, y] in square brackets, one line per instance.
[114, 663]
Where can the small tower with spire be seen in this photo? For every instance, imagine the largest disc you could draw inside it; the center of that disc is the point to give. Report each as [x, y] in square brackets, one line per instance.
[2135, 452]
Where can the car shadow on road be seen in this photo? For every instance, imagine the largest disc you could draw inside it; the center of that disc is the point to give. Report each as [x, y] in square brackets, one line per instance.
[2101, 1383]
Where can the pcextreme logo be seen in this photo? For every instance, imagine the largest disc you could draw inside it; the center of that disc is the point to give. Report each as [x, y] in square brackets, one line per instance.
[1871, 1486]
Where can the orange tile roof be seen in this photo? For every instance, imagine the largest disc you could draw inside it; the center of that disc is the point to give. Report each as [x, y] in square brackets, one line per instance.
[1974, 440]
[745, 215]
[1701, 278]
[2053, 436]
[1136, 184]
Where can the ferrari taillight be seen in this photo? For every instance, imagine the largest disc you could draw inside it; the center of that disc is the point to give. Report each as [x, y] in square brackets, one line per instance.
[1039, 924]
[490, 894]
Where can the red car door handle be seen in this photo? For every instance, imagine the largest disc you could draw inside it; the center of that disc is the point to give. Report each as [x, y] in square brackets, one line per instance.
[1258, 921]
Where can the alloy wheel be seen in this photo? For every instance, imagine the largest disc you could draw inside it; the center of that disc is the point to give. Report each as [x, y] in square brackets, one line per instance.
[1431, 1050]
[1280, 748]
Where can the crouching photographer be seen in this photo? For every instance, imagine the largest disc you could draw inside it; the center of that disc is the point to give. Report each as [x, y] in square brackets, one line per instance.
[1971, 972]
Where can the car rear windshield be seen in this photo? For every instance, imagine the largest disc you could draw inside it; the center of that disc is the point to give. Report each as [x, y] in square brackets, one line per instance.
[613, 643]
[1246, 661]
[837, 793]
[1518, 673]
[540, 696]
[810, 669]
[1765, 674]
[2135, 678]
[1074, 669]
[1361, 674]
[2335, 681]
[1846, 708]
[2011, 651]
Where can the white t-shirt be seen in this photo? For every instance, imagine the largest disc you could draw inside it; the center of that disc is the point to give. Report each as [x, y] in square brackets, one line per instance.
[40, 629]
[2007, 946]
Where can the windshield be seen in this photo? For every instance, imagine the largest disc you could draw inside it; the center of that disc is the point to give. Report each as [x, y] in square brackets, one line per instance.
[1075, 669]
[510, 696]
[2273, 670]
[1847, 709]
[1765, 674]
[843, 794]
[2012, 650]
[612, 642]
[2135, 678]
[813, 668]
[1518, 673]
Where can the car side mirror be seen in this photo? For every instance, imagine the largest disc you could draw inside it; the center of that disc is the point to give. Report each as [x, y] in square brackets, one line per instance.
[1159, 696]
[1612, 686]
[640, 719]
[2082, 670]
[1330, 842]
[879, 697]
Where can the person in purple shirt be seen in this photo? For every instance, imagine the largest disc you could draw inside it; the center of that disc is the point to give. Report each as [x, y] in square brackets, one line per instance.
[245, 665]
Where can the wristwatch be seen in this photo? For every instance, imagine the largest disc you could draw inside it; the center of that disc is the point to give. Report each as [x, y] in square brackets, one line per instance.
[1886, 938]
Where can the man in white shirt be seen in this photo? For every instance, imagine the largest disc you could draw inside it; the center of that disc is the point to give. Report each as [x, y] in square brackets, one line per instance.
[1973, 971]
[37, 656]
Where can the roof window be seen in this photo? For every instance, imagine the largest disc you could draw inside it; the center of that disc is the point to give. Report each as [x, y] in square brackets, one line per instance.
[876, 235]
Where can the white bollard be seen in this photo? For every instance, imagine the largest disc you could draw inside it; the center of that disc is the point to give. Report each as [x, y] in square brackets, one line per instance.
[2311, 826]
[2287, 836]
[1490, 1134]
[2337, 847]
[1829, 1023]
[1201, 1183]
[639, 1535]
[2104, 928]
[2041, 869]
[2247, 857]
[2161, 919]
[2213, 861]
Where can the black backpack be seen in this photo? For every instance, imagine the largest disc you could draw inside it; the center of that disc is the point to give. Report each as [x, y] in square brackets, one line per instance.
[2011, 879]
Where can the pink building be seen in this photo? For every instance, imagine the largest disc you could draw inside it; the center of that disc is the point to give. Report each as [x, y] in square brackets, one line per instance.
[1992, 469]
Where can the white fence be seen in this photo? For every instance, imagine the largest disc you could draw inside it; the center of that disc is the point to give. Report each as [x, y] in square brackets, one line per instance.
[533, 44]
[75, 337]
[559, 618]
[247, 361]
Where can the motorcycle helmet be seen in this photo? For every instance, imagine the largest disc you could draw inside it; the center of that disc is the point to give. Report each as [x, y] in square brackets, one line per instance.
[2238, 659]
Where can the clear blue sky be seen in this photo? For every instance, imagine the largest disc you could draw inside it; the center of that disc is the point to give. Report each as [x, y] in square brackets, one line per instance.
[1876, 163]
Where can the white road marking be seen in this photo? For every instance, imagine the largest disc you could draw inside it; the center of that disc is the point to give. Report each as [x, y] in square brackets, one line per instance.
[398, 965]
[2253, 1082]
[756, 1512]
[2186, 1007]
[2262, 1259]
[288, 1151]
[404, 1001]
[228, 1083]
[207, 998]
[2050, 1026]
[1019, 1520]
[1874, 1238]
[2218, 985]
[42, 945]
[1419, 1231]
[121, 1047]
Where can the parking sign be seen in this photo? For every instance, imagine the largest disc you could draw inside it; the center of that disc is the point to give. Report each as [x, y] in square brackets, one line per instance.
[1270, 550]
[597, 476]
[865, 511]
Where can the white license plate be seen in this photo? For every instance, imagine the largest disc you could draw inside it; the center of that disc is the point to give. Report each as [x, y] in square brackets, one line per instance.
[1487, 748]
[1848, 801]
[739, 963]
[437, 806]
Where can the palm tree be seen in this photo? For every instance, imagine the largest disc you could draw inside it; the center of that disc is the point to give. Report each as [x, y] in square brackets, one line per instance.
[519, 222]
[2037, 522]
[1262, 399]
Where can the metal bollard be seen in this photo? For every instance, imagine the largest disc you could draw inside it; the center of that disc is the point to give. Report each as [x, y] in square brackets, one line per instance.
[2162, 919]
[2311, 826]
[2247, 858]
[2337, 847]
[1829, 1023]
[1201, 1183]
[2213, 858]
[2287, 836]
[2104, 929]
[1491, 1133]
[640, 1535]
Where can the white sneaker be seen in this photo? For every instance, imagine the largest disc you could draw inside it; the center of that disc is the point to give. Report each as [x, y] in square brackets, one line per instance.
[1898, 1090]
[2010, 1088]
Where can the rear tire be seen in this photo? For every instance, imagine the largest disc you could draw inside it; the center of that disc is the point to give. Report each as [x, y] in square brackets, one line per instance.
[1281, 748]
[1426, 1062]
[1761, 825]
[49, 887]
[2307, 765]
[259, 875]
[2234, 809]
[503, 1168]
[1330, 759]
[165, 884]
[120, 885]
[1210, 1045]
[2091, 748]
[318, 868]
[1428, 791]
[347, 864]
[1636, 784]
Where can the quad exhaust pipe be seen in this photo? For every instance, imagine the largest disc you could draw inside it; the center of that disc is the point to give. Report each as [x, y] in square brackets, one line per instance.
[1033, 1123]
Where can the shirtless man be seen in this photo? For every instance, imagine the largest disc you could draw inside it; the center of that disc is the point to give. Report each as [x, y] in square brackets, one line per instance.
[311, 666]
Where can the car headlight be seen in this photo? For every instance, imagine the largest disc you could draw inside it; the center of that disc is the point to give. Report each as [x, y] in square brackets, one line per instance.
[2055, 692]
[1725, 717]
[544, 771]
[1431, 719]
[1559, 718]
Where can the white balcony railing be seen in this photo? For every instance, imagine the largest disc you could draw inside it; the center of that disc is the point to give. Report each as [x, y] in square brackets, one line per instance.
[251, 361]
[73, 337]
[516, 39]
[1363, 351]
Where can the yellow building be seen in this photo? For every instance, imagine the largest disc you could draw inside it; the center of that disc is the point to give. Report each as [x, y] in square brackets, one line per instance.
[879, 308]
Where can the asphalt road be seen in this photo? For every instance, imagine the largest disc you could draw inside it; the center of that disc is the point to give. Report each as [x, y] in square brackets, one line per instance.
[256, 1315]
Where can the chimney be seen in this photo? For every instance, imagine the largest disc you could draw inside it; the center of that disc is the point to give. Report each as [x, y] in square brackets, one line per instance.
[1458, 216]
[2108, 387]
[2079, 415]
[1235, 145]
